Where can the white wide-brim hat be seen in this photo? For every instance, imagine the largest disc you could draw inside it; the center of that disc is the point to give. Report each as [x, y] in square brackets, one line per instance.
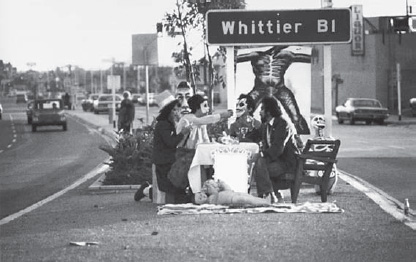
[164, 98]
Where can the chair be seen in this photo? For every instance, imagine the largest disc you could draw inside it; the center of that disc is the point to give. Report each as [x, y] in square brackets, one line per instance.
[231, 166]
[310, 160]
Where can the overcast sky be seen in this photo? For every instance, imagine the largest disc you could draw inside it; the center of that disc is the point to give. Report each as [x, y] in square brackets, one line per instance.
[55, 33]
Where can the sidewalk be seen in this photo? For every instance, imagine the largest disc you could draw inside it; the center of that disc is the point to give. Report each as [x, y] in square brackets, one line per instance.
[132, 231]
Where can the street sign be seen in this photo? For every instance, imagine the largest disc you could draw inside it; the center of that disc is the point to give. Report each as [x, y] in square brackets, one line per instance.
[272, 27]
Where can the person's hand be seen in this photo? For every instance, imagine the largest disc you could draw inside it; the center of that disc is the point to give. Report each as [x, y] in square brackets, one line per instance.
[227, 114]
[186, 129]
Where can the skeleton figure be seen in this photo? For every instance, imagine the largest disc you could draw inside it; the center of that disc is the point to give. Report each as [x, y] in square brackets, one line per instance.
[269, 68]
[318, 123]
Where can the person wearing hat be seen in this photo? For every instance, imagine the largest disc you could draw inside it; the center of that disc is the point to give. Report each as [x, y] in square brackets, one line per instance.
[126, 113]
[165, 142]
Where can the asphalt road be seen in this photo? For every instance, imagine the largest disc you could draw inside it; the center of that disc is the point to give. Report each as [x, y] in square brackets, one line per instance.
[384, 156]
[36, 165]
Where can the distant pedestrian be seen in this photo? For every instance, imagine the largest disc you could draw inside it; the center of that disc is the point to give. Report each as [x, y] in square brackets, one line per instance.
[126, 113]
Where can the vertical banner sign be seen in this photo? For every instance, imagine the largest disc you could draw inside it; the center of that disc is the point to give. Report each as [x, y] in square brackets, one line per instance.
[357, 43]
[113, 81]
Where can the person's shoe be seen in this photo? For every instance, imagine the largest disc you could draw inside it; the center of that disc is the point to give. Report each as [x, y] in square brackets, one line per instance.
[280, 198]
[139, 194]
[270, 197]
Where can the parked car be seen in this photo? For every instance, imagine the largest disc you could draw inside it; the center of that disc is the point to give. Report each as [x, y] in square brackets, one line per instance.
[1, 112]
[88, 103]
[48, 112]
[152, 100]
[104, 101]
[362, 109]
[21, 98]
[412, 103]
[135, 98]
[29, 112]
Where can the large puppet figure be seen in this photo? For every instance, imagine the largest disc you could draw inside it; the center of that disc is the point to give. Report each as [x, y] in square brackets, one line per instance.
[183, 93]
[269, 68]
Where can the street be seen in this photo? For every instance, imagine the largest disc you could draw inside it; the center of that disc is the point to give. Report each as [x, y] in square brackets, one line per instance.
[36, 165]
[384, 156]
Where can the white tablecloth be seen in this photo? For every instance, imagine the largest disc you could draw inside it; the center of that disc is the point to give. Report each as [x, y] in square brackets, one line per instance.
[203, 156]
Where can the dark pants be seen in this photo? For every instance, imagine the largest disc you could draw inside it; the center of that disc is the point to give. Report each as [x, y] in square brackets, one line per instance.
[265, 172]
[174, 195]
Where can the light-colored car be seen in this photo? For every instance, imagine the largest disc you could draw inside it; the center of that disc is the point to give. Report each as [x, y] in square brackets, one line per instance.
[104, 102]
[1, 112]
[362, 109]
[48, 112]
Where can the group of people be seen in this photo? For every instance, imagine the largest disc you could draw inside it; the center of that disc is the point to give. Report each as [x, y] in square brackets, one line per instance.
[182, 122]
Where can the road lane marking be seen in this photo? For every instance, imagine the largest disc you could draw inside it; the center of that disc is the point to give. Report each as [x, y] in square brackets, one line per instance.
[388, 203]
[99, 169]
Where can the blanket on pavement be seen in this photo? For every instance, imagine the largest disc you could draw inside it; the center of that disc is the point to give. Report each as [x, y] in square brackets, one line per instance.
[191, 209]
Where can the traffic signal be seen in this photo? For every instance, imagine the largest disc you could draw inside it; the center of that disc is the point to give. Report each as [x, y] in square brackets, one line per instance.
[159, 27]
[400, 24]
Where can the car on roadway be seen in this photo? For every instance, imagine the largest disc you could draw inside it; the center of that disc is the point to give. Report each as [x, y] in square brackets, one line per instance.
[152, 100]
[135, 98]
[88, 103]
[1, 112]
[21, 98]
[104, 102]
[48, 112]
[361, 109]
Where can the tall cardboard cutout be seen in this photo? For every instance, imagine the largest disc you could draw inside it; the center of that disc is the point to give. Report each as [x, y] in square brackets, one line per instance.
[283, 72]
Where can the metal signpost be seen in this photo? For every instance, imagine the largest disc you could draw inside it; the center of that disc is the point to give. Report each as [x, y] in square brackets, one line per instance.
[280, 27]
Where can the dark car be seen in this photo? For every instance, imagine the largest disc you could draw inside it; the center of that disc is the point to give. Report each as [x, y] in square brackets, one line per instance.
[105, 101]
[88, 104]
[48, 112]
[21, 98]
[412, 103]
[362, 109]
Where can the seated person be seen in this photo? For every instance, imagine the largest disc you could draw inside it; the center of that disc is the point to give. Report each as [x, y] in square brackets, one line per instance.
[219, 193]
[277, 153]
[246, 127]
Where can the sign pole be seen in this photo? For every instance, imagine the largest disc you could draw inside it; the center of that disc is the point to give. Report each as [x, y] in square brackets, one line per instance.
[230, 82]
[328, 89]
[147, 94]
[399, 95]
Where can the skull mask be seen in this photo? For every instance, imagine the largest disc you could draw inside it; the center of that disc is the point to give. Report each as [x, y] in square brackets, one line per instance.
[241, 107]
[318, 122]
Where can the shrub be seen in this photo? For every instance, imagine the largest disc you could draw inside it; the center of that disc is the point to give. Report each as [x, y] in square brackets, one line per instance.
[131, 158]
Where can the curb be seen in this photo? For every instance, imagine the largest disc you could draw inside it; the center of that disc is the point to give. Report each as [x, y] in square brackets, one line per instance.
[98, 185]
[398, 204]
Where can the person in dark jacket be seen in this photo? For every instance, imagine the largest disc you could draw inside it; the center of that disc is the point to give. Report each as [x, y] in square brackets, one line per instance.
[126, 113]
[165, 141]
[278, 151]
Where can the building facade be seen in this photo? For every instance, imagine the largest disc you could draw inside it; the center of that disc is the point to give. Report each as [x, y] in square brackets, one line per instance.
[372, 74]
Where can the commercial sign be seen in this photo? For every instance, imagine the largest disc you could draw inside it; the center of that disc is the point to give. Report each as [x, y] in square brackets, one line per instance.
[357, 42]
[271, 27]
